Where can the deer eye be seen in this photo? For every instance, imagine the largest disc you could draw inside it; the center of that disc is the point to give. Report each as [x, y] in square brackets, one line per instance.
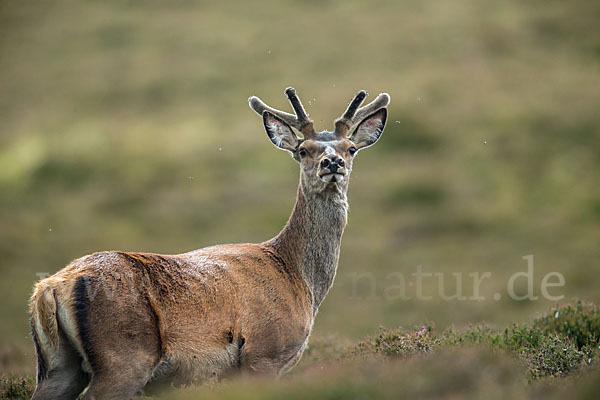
[302, 152]
[352, 150]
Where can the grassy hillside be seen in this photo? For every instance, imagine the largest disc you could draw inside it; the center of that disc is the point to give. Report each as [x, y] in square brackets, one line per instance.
[551, 356]
[124, 125]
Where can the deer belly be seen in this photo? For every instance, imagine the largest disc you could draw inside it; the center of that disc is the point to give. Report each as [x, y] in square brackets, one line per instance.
[196, 365]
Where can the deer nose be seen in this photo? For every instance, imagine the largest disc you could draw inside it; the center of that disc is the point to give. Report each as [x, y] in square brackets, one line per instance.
[333, 163]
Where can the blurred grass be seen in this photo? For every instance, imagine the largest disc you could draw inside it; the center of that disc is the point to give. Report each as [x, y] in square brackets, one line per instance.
[124, 125]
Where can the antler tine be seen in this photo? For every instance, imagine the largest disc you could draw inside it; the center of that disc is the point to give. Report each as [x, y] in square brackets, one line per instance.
[344, 123]
[382, 100]
[352, 116]
[299, 121]
[259, 107]
[304, 124]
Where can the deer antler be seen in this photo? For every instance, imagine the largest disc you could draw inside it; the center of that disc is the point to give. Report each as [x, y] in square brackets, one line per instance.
[353, 114]
[300, 121]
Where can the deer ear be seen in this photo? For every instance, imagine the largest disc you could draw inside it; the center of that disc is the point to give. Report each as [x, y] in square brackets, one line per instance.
[280, 133]
[370, 129]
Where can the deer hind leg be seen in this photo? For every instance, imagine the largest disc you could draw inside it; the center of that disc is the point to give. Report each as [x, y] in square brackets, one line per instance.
[121, 338]
[64, 379]
[118, 384]
[60, 375]
[122, 374]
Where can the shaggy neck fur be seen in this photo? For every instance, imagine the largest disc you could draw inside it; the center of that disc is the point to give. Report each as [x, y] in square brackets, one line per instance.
[311, 239]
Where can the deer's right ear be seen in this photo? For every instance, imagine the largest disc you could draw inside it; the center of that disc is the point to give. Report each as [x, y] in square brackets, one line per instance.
[280, 133]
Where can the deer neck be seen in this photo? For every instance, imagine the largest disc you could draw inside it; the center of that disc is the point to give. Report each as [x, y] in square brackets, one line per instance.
[310, 241]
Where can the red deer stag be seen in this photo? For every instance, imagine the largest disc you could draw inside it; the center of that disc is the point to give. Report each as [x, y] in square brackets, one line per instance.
[111, 323]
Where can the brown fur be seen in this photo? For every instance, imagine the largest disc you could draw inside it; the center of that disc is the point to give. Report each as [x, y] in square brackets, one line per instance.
[114, 322]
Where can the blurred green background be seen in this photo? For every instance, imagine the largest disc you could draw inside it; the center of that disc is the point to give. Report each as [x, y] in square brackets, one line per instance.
[125, 125]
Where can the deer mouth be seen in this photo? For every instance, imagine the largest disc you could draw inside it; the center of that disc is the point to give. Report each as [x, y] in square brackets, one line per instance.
[332, 177]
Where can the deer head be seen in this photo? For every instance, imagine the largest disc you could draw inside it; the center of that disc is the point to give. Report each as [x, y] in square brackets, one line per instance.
[325, 157]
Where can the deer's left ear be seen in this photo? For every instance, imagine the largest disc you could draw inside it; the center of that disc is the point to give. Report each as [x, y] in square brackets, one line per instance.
[369, 130]
[280, 133]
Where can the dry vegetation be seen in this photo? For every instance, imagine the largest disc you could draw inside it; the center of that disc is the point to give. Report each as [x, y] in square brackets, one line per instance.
[553, 354]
